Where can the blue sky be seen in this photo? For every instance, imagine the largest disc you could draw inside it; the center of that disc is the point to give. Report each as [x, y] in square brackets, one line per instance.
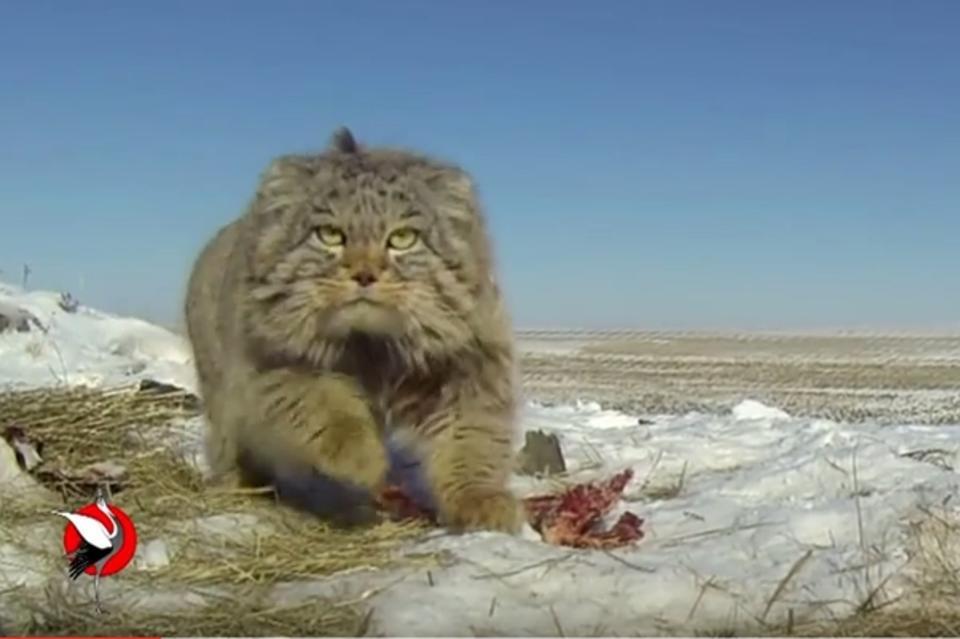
[648, 164]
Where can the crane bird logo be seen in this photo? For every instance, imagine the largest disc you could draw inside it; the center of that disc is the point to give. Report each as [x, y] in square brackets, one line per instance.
[99, 540]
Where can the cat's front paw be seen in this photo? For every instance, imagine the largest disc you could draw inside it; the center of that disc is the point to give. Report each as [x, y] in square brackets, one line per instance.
[352, 451]
[484, 509]
[225, 480]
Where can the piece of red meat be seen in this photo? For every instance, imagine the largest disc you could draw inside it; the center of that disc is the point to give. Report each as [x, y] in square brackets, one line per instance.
[570, 518]
[398, 505]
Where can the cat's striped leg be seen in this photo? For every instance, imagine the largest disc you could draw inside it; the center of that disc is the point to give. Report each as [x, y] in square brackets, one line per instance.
[468, 467]
[314, 438]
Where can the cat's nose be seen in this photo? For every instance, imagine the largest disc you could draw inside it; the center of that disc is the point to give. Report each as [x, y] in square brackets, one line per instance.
[364, 277]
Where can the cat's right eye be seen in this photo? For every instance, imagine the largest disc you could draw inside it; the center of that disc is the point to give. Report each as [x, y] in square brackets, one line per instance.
[330, 235]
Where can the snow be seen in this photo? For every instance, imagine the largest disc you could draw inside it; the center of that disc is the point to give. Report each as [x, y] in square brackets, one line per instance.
[732, 505]
[87, 347]
[750, 409]
[153, 555]
[548, 347]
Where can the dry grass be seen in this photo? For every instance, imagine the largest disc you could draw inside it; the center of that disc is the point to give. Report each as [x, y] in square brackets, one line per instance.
[165, 497]
[930, 606]
[244, 613]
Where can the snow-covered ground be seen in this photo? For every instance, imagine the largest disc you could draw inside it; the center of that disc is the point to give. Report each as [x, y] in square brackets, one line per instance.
[748, 515]
[86, 347]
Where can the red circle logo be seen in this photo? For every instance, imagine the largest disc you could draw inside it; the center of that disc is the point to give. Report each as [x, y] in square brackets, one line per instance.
[119, 560]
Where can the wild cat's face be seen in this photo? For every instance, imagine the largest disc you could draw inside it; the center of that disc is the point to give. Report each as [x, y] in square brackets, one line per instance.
[378, 243]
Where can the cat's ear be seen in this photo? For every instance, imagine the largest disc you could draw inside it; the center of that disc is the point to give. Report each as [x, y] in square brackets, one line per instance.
[284, 167]
[342, 141]
[451, 181]
[454, 195]
[281, 179]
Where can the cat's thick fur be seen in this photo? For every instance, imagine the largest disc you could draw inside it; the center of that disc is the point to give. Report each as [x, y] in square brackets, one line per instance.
[355, 299]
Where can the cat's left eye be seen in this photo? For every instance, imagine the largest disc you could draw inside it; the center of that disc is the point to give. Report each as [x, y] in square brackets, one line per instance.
[402, 239]
[330, 235]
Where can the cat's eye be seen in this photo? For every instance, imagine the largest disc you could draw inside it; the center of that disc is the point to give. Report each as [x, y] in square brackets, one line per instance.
[330, 235]
[402, 239]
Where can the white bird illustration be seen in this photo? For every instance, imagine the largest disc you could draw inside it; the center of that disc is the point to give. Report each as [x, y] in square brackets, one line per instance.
[97, 543]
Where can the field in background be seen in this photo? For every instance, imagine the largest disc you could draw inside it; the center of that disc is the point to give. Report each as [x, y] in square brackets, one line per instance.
[898, 378]
[842, 376]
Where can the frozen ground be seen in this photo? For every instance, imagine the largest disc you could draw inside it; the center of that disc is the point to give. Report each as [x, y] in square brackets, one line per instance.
[751, 513]
[888, 378]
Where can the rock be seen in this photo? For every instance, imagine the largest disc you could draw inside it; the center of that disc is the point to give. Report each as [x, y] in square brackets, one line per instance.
[12, 476]
[68, 303]
[14, 318]
[190, 402]
[541, 455]
[28, 452]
